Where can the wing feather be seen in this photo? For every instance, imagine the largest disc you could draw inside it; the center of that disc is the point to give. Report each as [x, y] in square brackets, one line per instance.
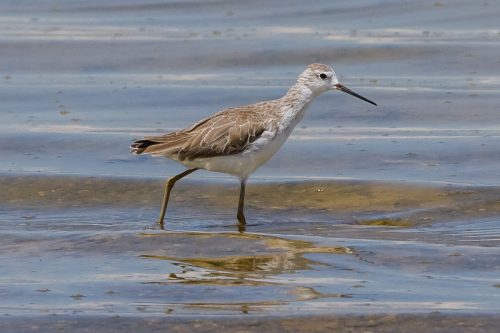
[228, 132]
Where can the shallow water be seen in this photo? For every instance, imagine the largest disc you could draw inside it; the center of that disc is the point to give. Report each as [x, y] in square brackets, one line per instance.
[79, 246]
[384, 210]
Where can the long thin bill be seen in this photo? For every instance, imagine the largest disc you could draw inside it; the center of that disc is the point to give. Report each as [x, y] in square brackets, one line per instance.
[350, 92]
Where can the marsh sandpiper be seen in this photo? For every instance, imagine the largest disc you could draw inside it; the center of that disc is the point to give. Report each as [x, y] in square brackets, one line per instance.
[238, 140]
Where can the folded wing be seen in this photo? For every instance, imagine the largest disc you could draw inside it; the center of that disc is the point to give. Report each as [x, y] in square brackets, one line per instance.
[226, 133]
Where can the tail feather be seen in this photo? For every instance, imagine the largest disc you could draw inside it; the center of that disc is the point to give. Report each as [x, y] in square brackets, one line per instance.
[167, 145]
[139, 146]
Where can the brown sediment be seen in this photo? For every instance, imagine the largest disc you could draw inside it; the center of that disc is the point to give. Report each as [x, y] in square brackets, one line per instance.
[380, 323]
[331, 195]
[421, 203]
[388, 222]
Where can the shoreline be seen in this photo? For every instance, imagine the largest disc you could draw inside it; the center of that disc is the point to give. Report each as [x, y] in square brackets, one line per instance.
[429, 322]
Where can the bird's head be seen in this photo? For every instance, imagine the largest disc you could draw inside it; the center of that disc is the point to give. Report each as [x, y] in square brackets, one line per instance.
[321, 78]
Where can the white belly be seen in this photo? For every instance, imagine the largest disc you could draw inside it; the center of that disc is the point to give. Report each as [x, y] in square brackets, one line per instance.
[243, 164]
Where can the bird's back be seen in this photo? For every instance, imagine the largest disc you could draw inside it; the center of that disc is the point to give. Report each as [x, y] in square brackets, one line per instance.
[228, 132]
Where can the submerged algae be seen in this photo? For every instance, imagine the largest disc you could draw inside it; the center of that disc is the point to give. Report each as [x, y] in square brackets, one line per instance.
[370, 203]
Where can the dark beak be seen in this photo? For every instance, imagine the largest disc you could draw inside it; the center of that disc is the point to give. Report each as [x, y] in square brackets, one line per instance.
[350, 92]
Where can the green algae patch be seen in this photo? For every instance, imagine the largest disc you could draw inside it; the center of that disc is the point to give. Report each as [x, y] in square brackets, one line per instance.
[420, 203]
[402, 223]
[328, 195]
[348, 196]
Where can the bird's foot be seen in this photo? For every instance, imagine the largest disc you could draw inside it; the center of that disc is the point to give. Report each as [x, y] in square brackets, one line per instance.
[242, 228]
[242, 221]
[241, 218]
[160, 224]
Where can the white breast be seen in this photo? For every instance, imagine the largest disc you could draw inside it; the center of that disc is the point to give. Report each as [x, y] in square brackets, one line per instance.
[259, 152]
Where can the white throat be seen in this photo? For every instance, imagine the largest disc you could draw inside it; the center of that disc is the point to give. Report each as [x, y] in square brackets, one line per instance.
[294, 105]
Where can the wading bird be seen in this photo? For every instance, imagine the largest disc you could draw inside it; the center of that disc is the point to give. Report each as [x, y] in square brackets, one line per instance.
[238, 140]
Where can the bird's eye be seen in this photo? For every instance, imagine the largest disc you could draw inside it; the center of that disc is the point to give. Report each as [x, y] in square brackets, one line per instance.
[323, 76]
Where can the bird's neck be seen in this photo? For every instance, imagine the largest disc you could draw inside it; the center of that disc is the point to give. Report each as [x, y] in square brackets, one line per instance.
[299, 94]
[294, 104]
[298, 98]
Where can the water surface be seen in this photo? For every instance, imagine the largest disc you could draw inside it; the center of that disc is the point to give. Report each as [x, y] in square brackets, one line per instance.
[368, 217]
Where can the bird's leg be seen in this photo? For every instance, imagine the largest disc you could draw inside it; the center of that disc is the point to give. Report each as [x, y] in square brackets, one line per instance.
[166, 194]
[241, 203]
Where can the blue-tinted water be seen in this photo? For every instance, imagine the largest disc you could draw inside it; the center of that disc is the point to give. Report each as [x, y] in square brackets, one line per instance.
[409, 217]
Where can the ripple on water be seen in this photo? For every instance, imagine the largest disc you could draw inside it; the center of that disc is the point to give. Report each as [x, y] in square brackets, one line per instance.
[309, 247]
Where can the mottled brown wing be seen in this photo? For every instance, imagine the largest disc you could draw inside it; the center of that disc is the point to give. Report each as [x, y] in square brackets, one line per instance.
[228, 132]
